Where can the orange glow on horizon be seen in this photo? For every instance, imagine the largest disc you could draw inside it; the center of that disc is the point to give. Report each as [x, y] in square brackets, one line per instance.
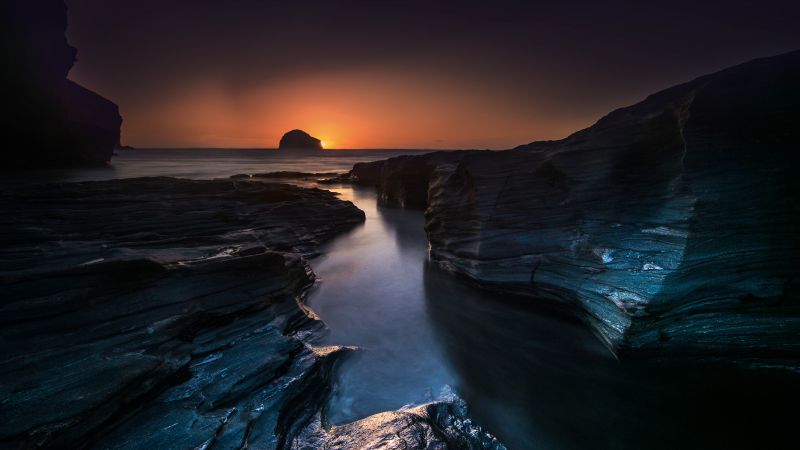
[347, 110]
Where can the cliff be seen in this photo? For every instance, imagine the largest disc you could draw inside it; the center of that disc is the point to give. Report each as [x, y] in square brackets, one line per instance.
[48, 120]
[671, 226]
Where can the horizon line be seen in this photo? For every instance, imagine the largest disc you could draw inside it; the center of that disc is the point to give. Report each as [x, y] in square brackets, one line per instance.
[132, 147]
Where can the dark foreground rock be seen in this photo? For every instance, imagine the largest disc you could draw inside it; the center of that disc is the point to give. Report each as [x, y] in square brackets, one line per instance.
[403, 181]
[440, 425]
[299, 139]
[161, 313]
[48, 120]
[672, 225]
[165, 313]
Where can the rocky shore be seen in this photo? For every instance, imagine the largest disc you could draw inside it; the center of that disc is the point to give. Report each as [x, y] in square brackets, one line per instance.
[167, 313]
[670, 226]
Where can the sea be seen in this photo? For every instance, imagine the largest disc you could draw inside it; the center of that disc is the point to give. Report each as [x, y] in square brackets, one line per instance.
[197, 163]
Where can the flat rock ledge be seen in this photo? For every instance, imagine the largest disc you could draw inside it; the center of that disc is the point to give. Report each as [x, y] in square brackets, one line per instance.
[671, 226]
[163, 313]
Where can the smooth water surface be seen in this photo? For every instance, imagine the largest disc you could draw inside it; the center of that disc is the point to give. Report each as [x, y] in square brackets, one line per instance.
[372, 295]
[214, 163]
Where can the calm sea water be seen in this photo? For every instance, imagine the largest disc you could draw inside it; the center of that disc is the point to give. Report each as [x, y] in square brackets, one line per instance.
[536, 379]
[216, 163]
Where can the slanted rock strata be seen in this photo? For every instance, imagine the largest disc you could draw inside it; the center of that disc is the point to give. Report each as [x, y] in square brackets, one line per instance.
[672, 225]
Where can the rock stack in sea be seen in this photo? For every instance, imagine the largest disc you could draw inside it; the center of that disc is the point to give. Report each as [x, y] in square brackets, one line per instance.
[299, 140]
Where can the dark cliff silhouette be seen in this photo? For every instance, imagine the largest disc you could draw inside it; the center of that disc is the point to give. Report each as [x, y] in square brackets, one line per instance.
[299, 139]
[48, 120]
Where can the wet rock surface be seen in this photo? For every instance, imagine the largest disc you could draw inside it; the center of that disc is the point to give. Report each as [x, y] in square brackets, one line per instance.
[438, 425]
[672, 225]
[167, 313]
[162, 313]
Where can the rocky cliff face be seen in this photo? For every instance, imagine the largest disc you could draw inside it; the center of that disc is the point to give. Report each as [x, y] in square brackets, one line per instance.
[671, 226]
[299, 139]
[48, 121]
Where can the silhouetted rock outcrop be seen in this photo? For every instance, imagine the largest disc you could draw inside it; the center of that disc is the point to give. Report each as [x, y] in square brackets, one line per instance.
[672, 224]
[299, 139]
[48, 120]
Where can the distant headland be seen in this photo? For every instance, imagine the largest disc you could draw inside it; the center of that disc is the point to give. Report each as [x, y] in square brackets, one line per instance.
[299, 139]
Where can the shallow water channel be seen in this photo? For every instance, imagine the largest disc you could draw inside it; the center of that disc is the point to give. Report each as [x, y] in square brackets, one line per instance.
[533, 376]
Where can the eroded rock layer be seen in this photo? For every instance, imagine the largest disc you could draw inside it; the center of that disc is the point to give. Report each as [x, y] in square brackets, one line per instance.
[672, 224]
[165, 313]
[161, 313]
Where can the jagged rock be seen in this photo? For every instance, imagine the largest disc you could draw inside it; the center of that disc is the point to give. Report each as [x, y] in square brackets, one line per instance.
[48, 120]
[166, 313]
[299, 139]
[440, 425]
[161, 313]
[672, 224]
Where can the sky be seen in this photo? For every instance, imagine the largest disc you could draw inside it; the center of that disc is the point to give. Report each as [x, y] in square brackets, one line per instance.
[401, 74]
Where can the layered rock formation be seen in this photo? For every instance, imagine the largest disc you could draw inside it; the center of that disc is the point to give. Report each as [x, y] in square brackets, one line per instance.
[672, 225]
[48, 120]
[166, 313]
[300, 140]
[161, 313]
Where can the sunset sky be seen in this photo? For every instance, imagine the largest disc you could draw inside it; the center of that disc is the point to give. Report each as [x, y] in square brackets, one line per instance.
[399, 74]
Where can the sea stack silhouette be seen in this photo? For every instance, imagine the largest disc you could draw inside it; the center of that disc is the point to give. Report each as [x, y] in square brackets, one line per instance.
[299, 139]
